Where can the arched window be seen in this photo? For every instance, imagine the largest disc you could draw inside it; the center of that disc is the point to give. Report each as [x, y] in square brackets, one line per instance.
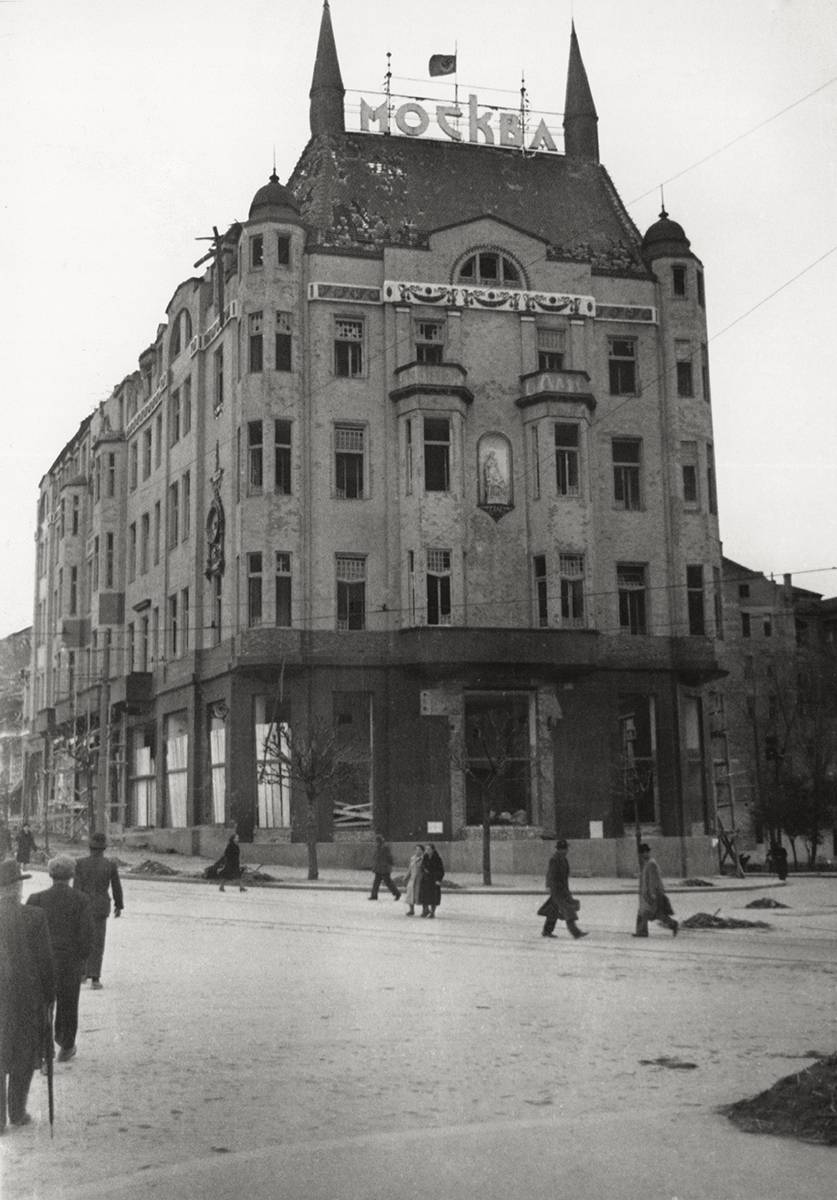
[489, 268]
[181, 333]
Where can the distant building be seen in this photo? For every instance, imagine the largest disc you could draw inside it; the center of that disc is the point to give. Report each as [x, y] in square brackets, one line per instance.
[15, 653]
[426, 450]
[776, 708]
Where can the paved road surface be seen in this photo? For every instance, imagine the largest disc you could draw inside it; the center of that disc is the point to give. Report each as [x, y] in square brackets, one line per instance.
[310, 1044]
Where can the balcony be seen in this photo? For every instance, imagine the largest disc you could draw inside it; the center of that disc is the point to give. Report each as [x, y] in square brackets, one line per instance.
[133, 690]
[539, 386]
[436, 652]
[431, 379]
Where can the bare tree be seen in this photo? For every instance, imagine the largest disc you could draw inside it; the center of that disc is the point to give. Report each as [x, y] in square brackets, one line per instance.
[314, 757]
[795, 752]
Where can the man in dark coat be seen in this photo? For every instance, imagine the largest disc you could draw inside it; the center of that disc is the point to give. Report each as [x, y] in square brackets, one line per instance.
[98, 877]
[25, 844]
[27, 989]
[382, 868]
[228, 867]
[430, 888]
[561, 903]
[70, 925]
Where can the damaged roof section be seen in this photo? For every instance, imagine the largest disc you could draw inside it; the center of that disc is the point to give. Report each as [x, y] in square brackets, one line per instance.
[366, 191]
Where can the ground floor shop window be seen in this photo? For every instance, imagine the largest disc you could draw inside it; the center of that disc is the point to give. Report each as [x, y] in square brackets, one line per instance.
[218, 767]
[142, 781]
[499, 732]
[177, 769]
[352, 791]
[273, 781]
[638, 768]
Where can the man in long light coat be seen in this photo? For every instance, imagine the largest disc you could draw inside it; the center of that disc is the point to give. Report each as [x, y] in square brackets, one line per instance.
[654, 904]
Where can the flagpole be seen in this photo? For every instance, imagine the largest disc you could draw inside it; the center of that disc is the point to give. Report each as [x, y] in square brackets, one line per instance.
[456, 74]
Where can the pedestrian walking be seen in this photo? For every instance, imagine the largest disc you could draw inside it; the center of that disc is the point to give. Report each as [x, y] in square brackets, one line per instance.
[27, 989]
[560, 904]
[70, 927]
[430, 887]
[25, 844]
[654, 904]
[228, 866]
[98, 878]
[412, 883]
[382, 868]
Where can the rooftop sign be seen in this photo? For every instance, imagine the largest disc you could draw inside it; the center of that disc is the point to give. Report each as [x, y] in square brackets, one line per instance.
[471, 122]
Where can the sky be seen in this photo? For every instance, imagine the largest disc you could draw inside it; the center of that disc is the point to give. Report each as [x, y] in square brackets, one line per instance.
[130, 128]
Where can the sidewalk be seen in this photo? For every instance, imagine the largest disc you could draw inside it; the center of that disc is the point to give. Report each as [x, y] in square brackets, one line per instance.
[180, 868]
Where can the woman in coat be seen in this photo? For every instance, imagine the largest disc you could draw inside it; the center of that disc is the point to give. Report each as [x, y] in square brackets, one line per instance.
[25, 844]
[412, 884]
[228, 866]
[432, 874]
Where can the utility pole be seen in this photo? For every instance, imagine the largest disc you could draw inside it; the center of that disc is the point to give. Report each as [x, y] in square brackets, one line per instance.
[102, 773]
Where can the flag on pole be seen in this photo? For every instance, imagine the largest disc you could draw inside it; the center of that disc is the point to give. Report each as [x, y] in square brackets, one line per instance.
[442, 64]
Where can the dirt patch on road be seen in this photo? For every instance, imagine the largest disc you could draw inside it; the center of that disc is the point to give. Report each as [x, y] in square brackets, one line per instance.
[802, 1106]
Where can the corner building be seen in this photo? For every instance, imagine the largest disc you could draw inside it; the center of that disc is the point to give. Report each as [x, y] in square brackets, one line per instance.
[427, 449]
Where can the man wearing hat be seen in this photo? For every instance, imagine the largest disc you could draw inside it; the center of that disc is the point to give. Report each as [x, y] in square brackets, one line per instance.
[561, 903]
[70, 926]
[98, 878]
[654, 904]
[27, 988]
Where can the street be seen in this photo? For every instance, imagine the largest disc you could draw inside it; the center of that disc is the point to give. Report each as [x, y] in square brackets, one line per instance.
[292, 1043]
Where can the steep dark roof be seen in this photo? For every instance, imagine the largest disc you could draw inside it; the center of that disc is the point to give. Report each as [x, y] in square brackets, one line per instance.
[581, 139]
[364, 191]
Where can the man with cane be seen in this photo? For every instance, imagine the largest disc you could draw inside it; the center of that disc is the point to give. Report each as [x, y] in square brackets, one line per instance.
[27, 989]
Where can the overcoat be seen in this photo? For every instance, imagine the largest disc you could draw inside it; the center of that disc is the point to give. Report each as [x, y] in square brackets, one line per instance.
[561, 902]
[653, 901]
[412, 883]
[228, 865]
[95, 875]
[432, 874]
[70, 925]
[27, 985]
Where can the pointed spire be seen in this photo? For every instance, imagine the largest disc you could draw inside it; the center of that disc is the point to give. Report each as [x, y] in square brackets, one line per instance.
[327, 91]
[581, 136]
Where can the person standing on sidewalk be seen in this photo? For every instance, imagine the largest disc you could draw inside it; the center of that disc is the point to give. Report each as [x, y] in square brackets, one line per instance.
[25, 844]
[382, 868]
[560, 904]
[98, 878]
[412, 884]
[430, 888]
[27, 989]
[70, 926]
[654, 904]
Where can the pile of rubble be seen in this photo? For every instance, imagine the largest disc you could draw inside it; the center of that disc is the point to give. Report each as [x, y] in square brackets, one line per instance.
[150, 867]
[713, 921]
[802, 1106]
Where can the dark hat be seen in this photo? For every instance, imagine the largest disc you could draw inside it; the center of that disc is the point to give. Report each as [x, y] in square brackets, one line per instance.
[644, 848]
[562, 844]
[98, 841]
[62, 867]
[10, 873]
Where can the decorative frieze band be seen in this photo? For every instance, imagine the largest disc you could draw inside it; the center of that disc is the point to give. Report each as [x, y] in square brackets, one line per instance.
[455, 296]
